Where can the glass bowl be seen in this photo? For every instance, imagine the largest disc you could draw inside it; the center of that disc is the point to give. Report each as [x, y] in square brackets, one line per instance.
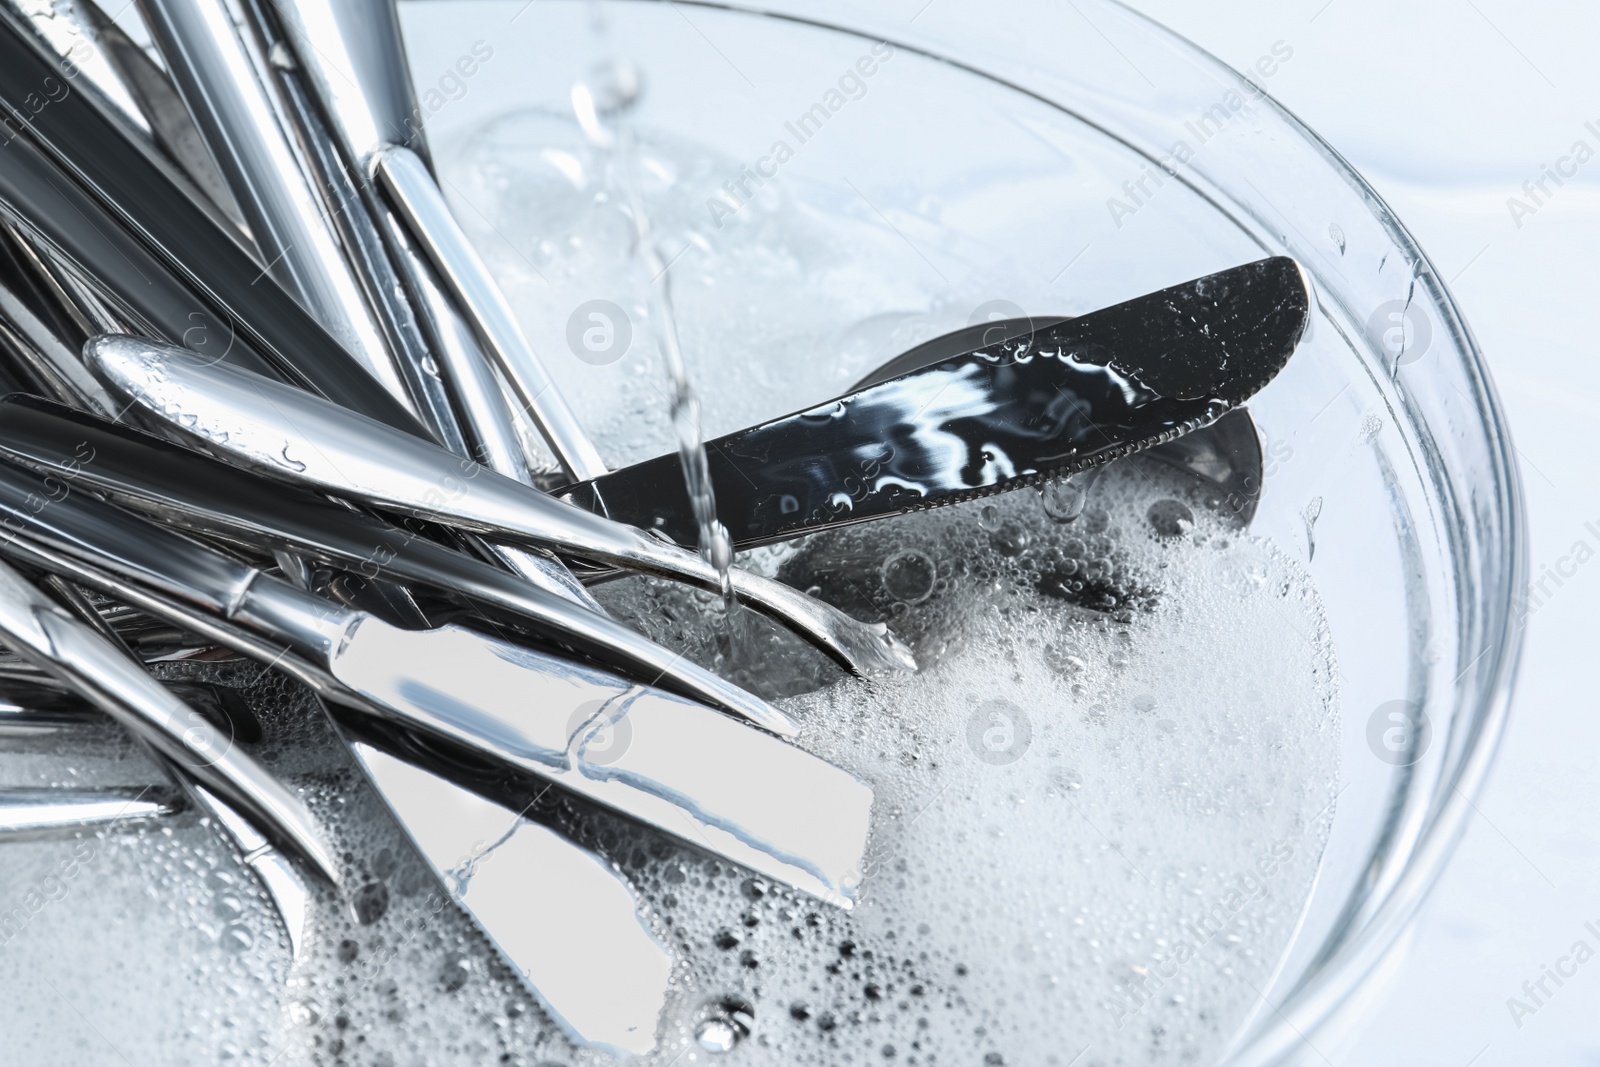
[938, 167]
[1037, 160]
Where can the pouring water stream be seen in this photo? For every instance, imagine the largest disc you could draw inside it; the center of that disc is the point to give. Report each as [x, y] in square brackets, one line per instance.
[603, 108]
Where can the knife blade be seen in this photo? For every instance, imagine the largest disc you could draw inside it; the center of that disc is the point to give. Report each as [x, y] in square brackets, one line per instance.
[559, 913]
[1063, 396]
[680, 767]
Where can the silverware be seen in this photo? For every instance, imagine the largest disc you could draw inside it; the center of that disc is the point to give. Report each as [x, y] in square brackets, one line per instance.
[191, 490]
[39, 630]
[561, 914]
[133, 87]
[680, 767]
[940, 425]
[345, 88]
[415, 195]
[290, 434]
[239, 121]
[1226, 455]
[546, 903]
[30, 813]
[110, 207]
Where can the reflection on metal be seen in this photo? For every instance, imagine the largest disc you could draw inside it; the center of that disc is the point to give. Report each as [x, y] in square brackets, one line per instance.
[183, 488]
[38, 629]
[558, 913]
[948, 422]
[235, 114]
[416, 197]
[277, 875]
[32, 813]
[693, 772]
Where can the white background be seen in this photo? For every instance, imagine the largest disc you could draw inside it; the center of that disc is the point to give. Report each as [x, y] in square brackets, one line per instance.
[1447, 107]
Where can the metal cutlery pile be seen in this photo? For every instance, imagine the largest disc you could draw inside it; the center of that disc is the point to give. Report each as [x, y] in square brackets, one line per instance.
[265, 393]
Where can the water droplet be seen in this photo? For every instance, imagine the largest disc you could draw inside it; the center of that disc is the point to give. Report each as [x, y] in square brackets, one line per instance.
[1311, 514]
[237, 937]
[371, 902]
[909, 576]
[1064, 659]
[1010, 539]
[227, 906]
[1336, 235]
[1065, 498]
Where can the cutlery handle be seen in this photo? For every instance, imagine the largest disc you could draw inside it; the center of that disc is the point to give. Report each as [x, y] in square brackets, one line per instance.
[38, 629]
[51, 511]
[421, 206]
[138, 231]
[194, 491]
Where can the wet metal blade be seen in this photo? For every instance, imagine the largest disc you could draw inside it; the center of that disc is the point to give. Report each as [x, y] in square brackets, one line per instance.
[558, 912]
[1068, 395]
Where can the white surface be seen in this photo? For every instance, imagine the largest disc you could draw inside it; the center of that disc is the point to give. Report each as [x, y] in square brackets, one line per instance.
[1447, 107]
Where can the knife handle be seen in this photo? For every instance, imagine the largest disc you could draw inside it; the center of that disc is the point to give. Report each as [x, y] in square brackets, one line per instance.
[51, 511]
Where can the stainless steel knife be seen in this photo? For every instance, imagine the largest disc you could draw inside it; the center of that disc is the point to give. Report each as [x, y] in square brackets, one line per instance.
[992, 411]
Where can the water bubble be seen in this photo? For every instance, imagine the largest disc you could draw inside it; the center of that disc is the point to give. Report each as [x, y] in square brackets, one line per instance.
[1064, 659]
[1170, 518]
[371, 903]
[909, 576]
[989, 518]
[1095, 520]
[1010, 539]
[384, 862]
[455, 972]
[726, 1023]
